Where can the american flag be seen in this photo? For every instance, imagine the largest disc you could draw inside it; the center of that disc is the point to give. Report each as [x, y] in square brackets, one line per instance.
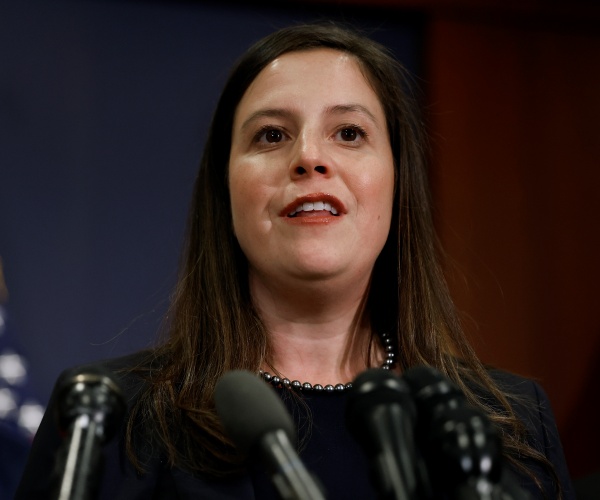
[19, 408]
[20, 411]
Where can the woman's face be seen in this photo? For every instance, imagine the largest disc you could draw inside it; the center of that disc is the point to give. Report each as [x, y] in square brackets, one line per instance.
[311, 171]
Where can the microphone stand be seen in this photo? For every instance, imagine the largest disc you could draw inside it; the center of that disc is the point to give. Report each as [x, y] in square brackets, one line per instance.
[83, 458]
[90, 408]
[291, 479]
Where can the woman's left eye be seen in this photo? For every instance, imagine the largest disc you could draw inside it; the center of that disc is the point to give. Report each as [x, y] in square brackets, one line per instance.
[351, 134]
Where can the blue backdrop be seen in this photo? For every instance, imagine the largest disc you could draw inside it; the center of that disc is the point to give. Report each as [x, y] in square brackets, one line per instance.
[104, 108]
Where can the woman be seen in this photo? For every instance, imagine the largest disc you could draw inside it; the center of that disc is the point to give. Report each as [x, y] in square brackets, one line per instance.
[310, 244]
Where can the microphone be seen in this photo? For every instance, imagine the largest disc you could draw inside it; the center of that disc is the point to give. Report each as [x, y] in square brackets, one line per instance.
[90, 407]
[461, 446]
[258, 423]
[433, 394]
[380, 414]
[467, 454]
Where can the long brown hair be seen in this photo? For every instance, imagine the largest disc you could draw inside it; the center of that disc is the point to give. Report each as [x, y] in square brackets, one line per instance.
[212, 324]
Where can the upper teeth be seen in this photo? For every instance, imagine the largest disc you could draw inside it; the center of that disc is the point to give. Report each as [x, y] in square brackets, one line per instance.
[317, 205]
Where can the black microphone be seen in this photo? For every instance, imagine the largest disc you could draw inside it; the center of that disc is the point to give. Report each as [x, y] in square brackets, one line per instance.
[461, 446]
[466, 454]
[433, 394]
[258, 423]
[90, 407]
[380, 414]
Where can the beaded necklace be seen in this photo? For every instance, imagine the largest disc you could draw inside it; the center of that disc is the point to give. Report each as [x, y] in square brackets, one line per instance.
[296, 385]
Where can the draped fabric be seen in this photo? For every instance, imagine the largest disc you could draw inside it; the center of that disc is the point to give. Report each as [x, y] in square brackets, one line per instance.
[514, 106]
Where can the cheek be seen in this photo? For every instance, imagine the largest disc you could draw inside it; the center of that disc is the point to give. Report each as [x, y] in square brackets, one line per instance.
[241, 195]
[388, 190]
[376, 187]
[379, 199]
[250, 195]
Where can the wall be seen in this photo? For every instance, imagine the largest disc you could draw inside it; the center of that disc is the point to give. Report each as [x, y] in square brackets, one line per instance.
[514, 104]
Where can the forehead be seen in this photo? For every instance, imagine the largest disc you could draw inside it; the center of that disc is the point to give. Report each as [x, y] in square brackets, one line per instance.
[314, 75]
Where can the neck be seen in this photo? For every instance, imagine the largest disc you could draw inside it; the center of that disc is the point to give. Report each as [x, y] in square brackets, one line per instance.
[319, 331]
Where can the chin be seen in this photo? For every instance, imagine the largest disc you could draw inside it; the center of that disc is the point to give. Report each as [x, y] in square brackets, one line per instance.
[348, 271]
[314, 274]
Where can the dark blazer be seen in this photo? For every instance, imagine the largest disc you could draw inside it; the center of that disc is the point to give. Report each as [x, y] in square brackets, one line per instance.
[344, 468]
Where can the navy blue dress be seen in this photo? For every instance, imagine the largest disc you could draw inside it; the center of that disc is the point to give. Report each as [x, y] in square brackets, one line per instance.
[329, 452]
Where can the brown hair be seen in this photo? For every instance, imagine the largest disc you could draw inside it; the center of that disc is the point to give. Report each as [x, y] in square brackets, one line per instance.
[212, 324]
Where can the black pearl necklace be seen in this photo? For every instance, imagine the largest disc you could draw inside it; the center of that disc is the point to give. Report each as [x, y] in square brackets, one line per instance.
[296, 385]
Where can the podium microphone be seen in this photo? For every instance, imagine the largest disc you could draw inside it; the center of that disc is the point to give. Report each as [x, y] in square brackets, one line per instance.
[90, 407]
[258, 423]
[461, 446]
[380, 414]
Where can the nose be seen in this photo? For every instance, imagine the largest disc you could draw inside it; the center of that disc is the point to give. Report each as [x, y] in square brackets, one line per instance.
[310, 158]
[300, 171]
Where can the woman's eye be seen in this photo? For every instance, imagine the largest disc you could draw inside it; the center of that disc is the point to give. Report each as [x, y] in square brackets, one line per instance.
[351, 134]
[348, 134]
[270, 135]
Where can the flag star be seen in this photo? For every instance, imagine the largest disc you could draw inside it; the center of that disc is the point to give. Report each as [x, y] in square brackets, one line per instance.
[30, 416]
[12, 367]
[8, 403]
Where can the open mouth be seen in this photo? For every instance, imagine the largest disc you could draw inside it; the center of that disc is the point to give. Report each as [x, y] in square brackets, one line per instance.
[313, 208]
[314, 205]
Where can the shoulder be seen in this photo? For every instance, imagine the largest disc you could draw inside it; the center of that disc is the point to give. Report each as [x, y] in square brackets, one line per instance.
[532, 407]
[517, 385]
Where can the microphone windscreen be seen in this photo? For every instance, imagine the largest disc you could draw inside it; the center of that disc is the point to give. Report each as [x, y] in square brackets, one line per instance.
[249, 409]
[90, 391]
[372, 388]
[431, 389]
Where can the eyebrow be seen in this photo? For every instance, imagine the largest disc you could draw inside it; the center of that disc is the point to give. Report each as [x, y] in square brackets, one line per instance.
[266, 113]
[337, 109]
[340, 109]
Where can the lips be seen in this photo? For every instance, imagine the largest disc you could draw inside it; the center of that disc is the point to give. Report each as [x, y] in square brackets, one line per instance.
[314, 205]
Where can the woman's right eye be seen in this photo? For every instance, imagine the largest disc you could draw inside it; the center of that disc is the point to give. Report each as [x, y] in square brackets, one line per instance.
[269, 135]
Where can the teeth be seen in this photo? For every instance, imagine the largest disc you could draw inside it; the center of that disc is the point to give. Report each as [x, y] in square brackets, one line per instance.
[317, 205]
